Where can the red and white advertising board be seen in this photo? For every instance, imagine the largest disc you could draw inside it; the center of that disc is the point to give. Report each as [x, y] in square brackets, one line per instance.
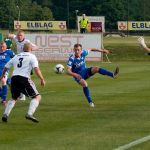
[58, 47]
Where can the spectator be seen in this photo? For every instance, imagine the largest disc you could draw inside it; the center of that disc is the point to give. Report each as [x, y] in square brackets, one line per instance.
[83, 24]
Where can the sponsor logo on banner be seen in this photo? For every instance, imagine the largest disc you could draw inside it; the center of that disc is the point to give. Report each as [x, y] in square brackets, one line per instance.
[62, 25]
[122, 25]
[60, 46]
[17, 24]
[96, 27]
[91, 19]
[139, 25]
[134, 25]
[40, 25]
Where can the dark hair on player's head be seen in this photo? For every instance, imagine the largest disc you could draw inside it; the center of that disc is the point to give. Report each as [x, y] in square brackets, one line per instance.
[77, 45]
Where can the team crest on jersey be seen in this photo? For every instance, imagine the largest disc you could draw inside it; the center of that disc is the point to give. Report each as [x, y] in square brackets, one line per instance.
[79, 64]
[69, 63]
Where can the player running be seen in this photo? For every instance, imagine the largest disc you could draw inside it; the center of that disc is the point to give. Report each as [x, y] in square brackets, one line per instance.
[20, 40]
[76, 67]
[23, 63]
[5, 56]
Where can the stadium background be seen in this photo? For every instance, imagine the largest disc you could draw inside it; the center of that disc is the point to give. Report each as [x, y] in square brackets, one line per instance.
[122, 109]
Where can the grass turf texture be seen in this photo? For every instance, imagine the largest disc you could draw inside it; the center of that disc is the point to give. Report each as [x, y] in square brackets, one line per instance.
[126, 49]
[121, 114]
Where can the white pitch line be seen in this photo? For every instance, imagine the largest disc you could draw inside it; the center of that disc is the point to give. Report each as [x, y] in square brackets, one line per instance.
[136, 142]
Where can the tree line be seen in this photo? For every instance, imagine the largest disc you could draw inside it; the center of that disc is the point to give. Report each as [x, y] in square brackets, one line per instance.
[48, 10]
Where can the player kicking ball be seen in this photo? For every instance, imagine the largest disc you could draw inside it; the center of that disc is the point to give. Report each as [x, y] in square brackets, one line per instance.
[23, 63]
[76, 67]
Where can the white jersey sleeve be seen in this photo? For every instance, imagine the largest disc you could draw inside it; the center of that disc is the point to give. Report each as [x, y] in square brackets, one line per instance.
[9, 63]
[34, 62]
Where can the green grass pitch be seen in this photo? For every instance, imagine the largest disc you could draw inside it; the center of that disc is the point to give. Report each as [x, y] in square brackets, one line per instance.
[121, 114]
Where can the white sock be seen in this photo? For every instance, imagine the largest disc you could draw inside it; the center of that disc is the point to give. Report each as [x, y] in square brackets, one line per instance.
[9, 107]
[32, 107]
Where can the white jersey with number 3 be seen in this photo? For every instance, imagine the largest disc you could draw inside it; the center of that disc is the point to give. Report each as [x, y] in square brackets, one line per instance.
[23, 63]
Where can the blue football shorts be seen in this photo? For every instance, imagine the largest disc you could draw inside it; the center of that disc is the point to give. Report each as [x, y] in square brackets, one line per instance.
[85, 74]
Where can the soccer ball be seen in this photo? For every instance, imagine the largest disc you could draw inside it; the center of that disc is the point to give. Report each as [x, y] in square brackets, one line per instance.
[59, 68]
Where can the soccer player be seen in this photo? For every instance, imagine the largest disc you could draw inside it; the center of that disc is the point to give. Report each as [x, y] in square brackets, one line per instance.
[23, 63]
[20, 41]
[142, 43]
[5, 56]
[76, 67]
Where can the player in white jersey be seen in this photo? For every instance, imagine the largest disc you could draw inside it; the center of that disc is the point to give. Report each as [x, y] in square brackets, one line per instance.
[23, 63]
[20, 41]
[141, 41]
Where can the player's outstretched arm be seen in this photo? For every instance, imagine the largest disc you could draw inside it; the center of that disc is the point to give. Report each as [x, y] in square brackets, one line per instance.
[100, 50]
[147, 49]
[39, 75]
[10, 36]
[142, 43]
[34, 47]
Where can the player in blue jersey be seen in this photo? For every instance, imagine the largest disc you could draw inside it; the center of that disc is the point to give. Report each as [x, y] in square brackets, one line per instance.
[5, 56]
[76, 67]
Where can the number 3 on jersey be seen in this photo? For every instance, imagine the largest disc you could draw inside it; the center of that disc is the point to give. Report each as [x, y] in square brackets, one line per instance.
[20, 63]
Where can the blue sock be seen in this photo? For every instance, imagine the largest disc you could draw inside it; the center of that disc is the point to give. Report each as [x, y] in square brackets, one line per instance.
[8, 81]
[0, 92]
[87, 94]
[4, 92]
[105, 72]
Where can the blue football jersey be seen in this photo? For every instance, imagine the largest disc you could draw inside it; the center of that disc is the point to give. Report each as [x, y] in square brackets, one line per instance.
[5, 57]
[78, 64]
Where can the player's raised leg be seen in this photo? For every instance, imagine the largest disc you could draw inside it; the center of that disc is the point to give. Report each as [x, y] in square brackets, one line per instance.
[105, 72]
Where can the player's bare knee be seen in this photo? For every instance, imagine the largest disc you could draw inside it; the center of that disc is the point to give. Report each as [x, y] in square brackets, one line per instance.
[95, 70]
[3, 81]
[38, 98]
[83, 83]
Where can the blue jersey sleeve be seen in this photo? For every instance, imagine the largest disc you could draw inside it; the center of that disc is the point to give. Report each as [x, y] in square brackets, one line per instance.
[11, 53]
[70, 62]
[85, 52]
